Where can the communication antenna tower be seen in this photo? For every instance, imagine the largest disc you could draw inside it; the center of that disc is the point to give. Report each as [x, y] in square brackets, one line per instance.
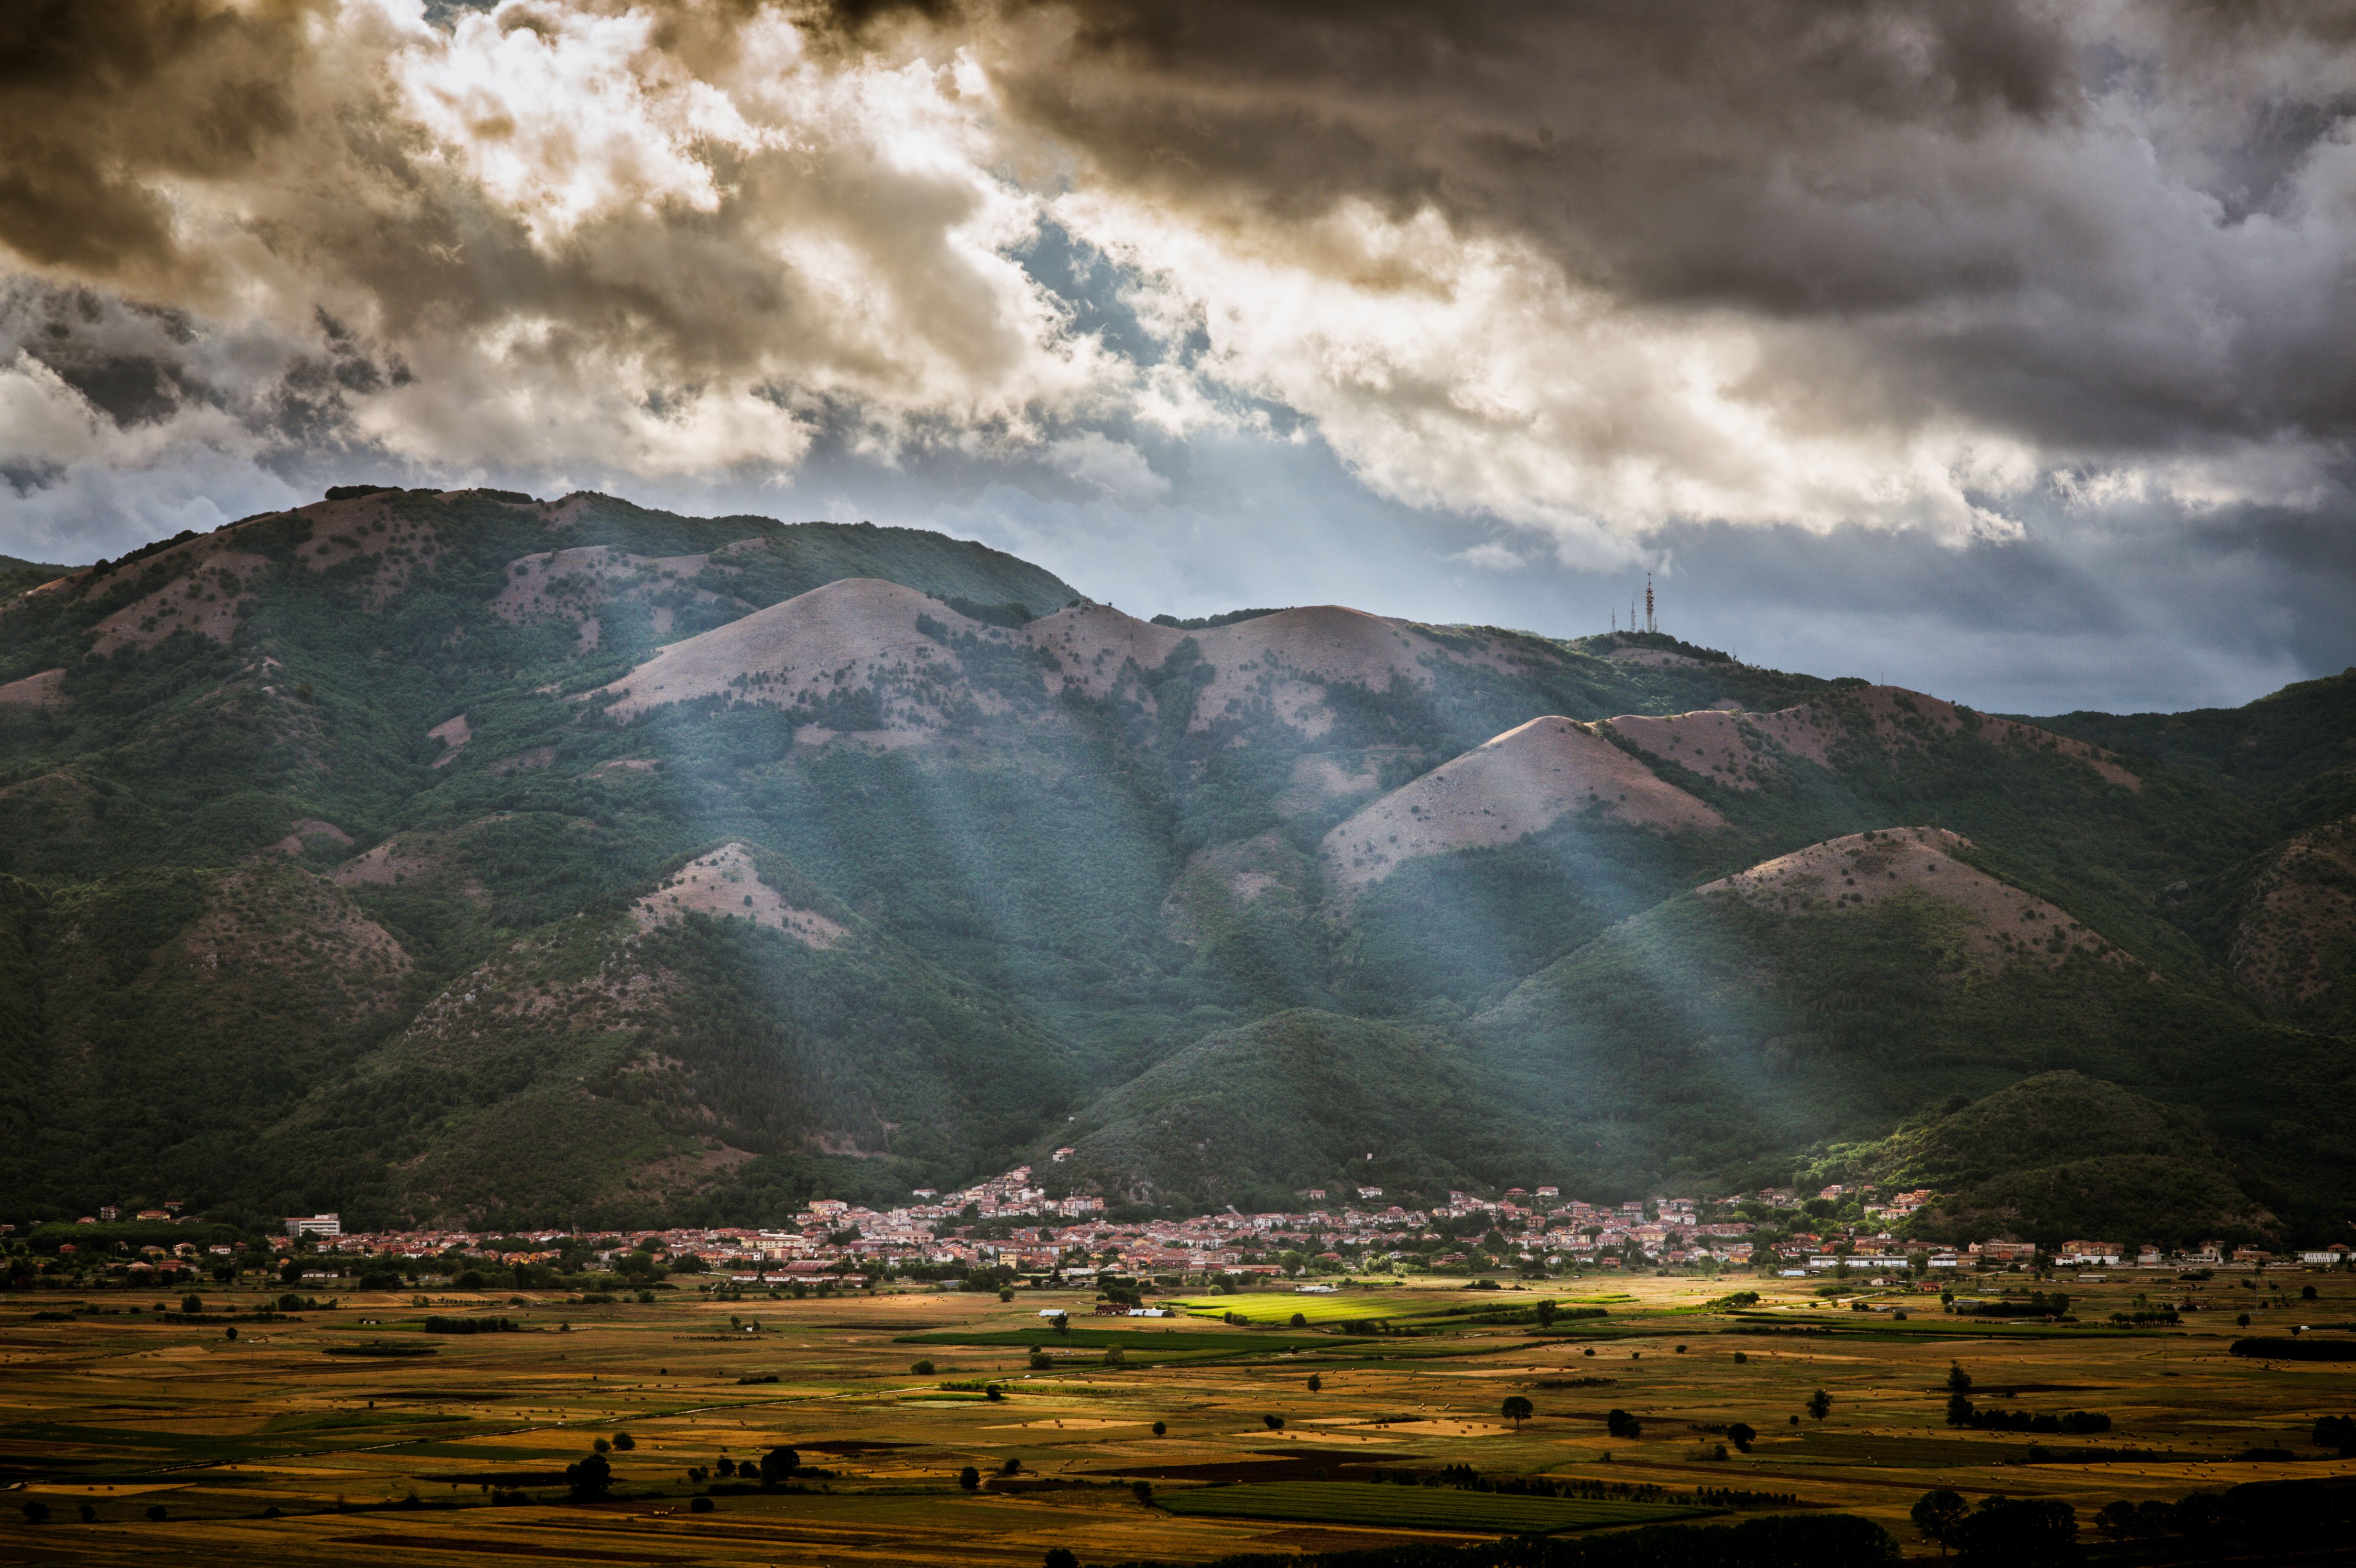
[1650, 624]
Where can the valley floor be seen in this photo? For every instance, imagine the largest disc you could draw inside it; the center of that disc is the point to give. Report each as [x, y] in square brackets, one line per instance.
[285, 1446]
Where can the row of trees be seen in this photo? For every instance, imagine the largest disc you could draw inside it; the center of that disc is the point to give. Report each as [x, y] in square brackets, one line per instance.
[2263, 1516]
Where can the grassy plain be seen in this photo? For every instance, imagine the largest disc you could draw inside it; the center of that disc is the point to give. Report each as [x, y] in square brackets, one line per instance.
[128, 1412]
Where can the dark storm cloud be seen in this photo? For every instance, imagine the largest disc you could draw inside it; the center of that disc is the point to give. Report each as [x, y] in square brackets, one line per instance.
[2079, 223]
[1973, 306]
[2101, 231]
[100, 98]
[1638, 138]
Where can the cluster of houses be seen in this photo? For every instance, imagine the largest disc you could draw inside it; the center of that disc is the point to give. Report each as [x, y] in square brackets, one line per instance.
[1009, 1222]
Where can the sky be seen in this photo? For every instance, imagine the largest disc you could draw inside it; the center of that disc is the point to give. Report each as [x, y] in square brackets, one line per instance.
[1995, 348]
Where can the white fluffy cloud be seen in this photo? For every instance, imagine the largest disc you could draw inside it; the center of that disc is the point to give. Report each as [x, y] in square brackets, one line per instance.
[644, 241]
[1468, 373]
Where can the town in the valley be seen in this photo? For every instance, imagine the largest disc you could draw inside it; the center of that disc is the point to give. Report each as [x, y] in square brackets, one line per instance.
[964, 1377]
[1008, 1230]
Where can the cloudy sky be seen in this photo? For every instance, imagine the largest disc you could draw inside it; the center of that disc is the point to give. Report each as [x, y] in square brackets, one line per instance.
[2001, 349]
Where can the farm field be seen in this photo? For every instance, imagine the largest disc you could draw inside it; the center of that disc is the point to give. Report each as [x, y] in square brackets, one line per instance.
[1424, 1507]
[269, 1448]
[1136, 1341]
[1374, 1305]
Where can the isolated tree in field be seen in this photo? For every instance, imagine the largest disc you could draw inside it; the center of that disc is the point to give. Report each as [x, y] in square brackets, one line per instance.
[1548, 1311]
[1061, 1557]
[590, 1479]
[1275, 1423]
[1958, 1380]
[192, 1304]
[625, 1441]
[1300, 1320]
[1063, 1322]
[1316, 1383]
[1620, 1423]
[1142, 1491]
[1742, 1434]
[1820, 1405]
[1113, 1355]
[1161, 1429]
[970, 1479]
[777, 1464]
[1516, 1410]
[922, 1369]
[1936, 1515]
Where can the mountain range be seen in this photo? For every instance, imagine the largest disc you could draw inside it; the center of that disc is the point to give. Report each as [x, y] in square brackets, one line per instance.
[464, 856]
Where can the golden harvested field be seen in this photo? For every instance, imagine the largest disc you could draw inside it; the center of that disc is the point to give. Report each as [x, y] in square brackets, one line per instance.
[125, 1413]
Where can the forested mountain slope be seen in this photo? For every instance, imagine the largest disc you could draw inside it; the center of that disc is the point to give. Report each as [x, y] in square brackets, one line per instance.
[468, 855]
[2061, 1155]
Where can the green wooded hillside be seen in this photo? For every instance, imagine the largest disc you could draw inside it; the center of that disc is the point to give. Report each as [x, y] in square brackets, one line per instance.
[335, 879]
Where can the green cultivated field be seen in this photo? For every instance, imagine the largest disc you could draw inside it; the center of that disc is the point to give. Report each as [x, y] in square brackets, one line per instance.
[1415, 1508]
[1345, 1307]
[186, 1445]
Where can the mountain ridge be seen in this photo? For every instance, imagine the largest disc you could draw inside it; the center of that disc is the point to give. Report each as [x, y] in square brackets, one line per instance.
[750, 859]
